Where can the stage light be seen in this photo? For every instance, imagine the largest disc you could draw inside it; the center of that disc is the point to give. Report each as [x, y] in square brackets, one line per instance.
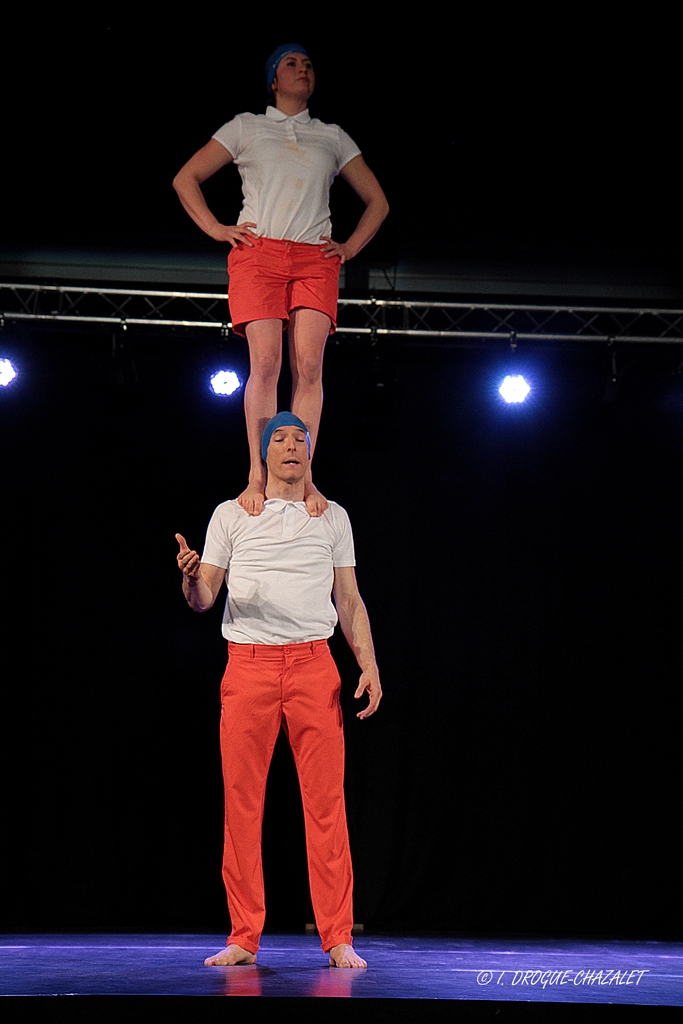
[514, 388]
[7, 372]
[225, 382]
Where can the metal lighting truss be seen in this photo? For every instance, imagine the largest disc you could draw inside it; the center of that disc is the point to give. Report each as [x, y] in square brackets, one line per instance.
[123, 307]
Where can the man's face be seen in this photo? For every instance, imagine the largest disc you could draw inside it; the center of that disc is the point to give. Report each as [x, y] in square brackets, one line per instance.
[287, 455]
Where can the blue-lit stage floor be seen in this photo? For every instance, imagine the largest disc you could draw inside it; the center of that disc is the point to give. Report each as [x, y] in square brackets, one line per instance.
[293, 966]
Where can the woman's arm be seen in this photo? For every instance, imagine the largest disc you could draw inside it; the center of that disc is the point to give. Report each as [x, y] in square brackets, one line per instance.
[206, 161]
[364, 183]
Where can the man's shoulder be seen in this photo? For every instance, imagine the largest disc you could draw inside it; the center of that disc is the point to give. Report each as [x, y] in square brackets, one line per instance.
[230, 510]
[336, 513]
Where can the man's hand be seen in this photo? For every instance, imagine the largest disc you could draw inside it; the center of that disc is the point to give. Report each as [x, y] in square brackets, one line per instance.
[353, 619]
[189, 562]
[369, 681]
[201, 582]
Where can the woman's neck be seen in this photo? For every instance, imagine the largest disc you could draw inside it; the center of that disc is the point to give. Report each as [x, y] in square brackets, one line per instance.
[290, 105]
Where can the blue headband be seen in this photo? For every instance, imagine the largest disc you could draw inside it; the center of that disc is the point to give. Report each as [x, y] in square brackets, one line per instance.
[275, 58]
[283, 419]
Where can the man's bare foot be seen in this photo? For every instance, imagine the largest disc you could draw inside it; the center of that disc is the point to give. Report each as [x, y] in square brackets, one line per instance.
[232, 956]
[252, 499]
[344, 955]
[316, 503]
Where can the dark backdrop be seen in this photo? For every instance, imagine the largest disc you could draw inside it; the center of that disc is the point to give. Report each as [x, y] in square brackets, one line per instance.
[521, 567]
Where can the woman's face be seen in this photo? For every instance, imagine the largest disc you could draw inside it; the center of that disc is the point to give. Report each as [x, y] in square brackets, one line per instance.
[294, 77]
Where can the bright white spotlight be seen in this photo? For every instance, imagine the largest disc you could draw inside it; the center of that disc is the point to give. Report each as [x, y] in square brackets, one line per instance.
[514, 388]
[7, 372]
[225, 382]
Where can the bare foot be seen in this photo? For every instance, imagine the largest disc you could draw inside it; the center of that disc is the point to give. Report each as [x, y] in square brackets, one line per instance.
[315, 502]
[232, 956]
[252, 499]
[345, 956]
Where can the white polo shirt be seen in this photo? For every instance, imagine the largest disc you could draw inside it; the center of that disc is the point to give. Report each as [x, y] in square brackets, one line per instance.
[287, 166]
[280, 569]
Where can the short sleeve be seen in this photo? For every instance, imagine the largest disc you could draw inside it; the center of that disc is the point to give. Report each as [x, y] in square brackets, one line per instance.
[343, 553]
[230, 136]
[347, 149]
[218, 544]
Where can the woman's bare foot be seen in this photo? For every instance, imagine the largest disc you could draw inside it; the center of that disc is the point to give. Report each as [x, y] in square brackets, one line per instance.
[252, 498]
[316, 503]
[232, 956]
[344, 955]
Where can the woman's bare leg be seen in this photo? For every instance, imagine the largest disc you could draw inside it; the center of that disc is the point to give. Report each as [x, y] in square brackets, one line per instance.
[308, 330]
[260, 402]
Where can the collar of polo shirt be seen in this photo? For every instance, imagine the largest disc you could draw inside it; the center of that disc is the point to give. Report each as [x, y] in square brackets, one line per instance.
[279, 504]
[279, 115]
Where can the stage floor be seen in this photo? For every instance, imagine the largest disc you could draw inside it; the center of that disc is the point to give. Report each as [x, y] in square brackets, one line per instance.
[492, 970]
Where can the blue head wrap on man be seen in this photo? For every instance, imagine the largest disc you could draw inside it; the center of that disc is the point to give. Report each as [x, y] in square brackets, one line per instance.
[283, 419]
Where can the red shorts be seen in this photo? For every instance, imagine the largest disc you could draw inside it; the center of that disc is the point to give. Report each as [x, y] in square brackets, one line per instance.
[270, 279]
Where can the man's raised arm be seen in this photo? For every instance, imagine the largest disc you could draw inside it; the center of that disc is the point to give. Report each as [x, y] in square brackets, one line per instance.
[355, 624]
[201, 581]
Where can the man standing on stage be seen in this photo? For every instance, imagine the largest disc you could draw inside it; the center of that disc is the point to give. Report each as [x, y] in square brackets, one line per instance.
[281, 569]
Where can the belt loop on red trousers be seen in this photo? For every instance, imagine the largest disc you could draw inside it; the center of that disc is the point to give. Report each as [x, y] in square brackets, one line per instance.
[253, 651]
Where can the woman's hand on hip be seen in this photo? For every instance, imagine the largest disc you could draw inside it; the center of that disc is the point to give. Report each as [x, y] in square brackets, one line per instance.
[331, 248]
[234, 233]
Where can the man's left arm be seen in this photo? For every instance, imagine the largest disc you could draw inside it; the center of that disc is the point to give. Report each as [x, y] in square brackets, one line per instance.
[353, 619]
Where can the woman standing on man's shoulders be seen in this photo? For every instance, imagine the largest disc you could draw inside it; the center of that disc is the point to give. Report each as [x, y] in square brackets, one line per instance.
[284, 264]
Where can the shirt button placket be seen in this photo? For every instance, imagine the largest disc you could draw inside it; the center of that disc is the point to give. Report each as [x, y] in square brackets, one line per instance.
[287, 525]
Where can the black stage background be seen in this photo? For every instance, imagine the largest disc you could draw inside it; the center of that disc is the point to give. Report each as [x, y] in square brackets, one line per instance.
[521, 566]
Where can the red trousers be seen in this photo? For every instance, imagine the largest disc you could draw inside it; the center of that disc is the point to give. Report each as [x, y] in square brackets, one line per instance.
[295, 686]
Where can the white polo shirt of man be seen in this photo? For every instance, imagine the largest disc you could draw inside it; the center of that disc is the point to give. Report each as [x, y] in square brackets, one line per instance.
[279, 570]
